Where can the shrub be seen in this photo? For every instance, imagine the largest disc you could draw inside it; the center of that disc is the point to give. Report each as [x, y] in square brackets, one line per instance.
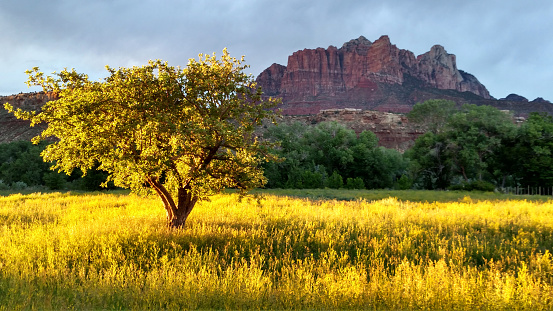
[404, 183]
[335, 181]
[54, 181]
[481, 185]
[19, 185]
[312, 180]
[355, 183]
[478, 185]
[3, 185]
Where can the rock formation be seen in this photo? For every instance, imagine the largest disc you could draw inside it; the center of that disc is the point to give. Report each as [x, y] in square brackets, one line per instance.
[393, 130]
[358, 85]
[364, 74]
[13, 129]
[515, 98]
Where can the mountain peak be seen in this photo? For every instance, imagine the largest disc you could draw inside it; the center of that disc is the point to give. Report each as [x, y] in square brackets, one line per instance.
[362, 74]
[360, 45]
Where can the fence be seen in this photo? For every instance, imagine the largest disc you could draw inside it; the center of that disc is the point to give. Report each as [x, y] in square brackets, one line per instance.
[528, 190]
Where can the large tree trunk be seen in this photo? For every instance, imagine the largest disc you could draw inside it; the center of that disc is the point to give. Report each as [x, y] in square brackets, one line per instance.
[178, 212]
[186, 202]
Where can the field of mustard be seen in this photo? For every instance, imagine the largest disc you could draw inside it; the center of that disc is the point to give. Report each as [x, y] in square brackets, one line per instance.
[113, 251]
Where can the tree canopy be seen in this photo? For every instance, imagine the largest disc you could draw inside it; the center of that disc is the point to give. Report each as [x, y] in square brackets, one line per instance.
[330, 155]
[432, 115]
[185, 133]
[474, 143]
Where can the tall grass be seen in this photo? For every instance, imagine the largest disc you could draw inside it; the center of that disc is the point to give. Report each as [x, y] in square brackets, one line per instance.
[112, 251]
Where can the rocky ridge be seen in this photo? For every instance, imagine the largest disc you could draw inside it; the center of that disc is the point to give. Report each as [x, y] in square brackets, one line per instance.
[13, 129]
[364, 85]
[392, 130]
[374, 76]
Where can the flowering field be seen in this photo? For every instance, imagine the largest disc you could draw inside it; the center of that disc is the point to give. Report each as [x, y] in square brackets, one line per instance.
[112, 251]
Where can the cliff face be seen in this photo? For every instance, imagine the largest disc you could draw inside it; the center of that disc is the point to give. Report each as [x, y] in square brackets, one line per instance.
[393, 130]
[359, 75]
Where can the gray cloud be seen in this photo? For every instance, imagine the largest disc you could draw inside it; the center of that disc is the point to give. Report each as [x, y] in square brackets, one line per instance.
[505, 44]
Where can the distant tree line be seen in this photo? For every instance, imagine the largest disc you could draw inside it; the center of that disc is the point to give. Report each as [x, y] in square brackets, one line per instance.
[329, 155]
[465, 147]
[22, 167]
[479, 146]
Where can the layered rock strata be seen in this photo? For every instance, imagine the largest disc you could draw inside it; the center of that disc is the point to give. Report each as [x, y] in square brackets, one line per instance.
[393, 130]
[359, 75]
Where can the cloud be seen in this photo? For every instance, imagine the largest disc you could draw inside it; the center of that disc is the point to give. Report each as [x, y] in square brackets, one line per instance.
[505, 44]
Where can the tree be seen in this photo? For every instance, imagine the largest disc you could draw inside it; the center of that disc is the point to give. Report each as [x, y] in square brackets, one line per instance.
[286, 173]
[431, 162]
[185, 133]
[329, 144]
[335, 181]
[432, 115]
[312, 152]
[475, 134]
[21, 162]
[469, 144]
[533, 152]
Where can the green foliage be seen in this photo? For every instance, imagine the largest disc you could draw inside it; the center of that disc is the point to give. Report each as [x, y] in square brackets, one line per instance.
[432, 115]
[328, 147]
[475, 135]
[478, 185]
[534, 151]
[185, 133]
[404, 183]
[54, 181]
[21, 162]
[3, 185]
[431, 163]
[335, 181]
[469, 145]
[22, 167]
[19, 185]
[355, 183]
[312, 180]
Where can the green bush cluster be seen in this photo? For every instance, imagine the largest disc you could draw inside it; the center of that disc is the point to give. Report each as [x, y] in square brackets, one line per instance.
[479, 148]
[478, 185]
[464, 148]
[328, 155]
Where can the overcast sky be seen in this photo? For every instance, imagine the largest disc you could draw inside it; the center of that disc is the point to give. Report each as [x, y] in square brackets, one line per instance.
[506, 44]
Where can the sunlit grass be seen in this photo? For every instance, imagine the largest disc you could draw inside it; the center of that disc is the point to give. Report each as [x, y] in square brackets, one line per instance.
[408, 195]
[113, 251]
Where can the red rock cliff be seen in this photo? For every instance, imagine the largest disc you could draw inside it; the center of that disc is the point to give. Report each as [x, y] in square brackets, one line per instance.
[360, 74]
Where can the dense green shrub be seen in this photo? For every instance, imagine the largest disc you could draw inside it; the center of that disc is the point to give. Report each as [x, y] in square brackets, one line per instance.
[311, 154]
[480, 144]
[355, 183]
[404, 183]
[54, 181]
[478, 185]
[335, 181]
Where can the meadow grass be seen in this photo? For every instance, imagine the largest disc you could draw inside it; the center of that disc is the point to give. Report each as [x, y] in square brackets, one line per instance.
[111, 251]
[403, 195]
